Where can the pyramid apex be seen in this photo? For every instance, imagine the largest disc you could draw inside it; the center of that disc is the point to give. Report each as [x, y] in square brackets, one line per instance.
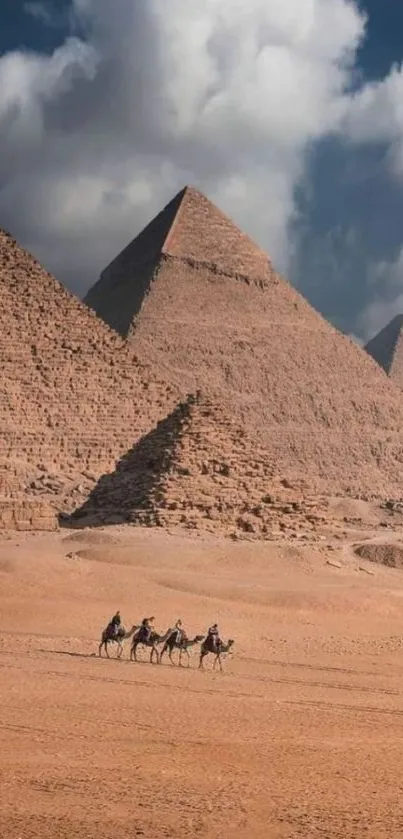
[187, 191]
[201, 232]
[394, 323]
[190, 231]
[386, 347]
[189, 188]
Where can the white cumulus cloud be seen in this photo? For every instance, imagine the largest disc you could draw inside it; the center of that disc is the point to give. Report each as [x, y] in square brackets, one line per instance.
[224, 94]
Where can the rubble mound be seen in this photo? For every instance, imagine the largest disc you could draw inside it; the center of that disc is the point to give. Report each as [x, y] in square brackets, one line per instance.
[390, 555]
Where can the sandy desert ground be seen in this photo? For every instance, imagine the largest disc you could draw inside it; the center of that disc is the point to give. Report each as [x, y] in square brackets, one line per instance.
[301, 736]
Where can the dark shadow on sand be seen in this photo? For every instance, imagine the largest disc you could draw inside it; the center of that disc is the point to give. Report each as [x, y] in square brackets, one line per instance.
[66, 652]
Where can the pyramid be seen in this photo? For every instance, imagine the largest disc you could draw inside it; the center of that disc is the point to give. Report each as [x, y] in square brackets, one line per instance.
[387, 349]
[203, 305]
[73, 395]
[190, 231]
[198, 469]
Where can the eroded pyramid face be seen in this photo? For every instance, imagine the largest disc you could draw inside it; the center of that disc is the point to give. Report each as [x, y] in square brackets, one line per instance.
[202, 303]
[73, 396]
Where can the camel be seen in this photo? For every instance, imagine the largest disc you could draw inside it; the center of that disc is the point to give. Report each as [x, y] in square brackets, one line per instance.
[153, 641]
[183, 645]
[209, 647]
[110, 637]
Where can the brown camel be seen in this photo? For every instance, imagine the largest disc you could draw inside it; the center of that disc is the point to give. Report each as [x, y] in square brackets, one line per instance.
[183, 645]
[110, 637]
[152, 641]
[208, 646]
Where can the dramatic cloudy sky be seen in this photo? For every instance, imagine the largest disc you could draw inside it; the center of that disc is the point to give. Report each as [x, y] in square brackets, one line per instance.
[287, 113]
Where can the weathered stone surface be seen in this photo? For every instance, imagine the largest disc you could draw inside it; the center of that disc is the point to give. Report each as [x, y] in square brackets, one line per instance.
[73, 397]
[175, 476]
[204, 306]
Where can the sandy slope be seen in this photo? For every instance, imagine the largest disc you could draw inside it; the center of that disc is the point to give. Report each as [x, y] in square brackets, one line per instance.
[300, 737]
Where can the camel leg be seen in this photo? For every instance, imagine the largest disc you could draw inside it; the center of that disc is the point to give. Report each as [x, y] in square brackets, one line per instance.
[170, 656]
[217, 658]
[120, 650]
[100, 649]
[163, 651]
[181, 651]
[201, 665]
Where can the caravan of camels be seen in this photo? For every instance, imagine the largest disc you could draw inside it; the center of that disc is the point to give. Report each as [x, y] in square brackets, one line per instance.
[175, 638]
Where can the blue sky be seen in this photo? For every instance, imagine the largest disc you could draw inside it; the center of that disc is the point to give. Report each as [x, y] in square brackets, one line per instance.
[341, 240]
[19, 28]
[384, 42]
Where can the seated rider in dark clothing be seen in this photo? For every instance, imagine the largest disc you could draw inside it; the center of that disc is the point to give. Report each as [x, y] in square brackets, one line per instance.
[214, 636]
[180, 634]
[146, 629]
[115, 623]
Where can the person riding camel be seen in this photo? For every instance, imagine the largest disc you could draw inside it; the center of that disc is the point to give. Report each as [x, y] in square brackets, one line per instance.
[146, 629]
[179, 632]
[214, 636]
[115, 623]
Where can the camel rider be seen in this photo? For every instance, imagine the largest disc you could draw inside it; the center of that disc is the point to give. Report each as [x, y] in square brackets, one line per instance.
[213, 635]
[146, 629]
[180, 634]
[116, 623]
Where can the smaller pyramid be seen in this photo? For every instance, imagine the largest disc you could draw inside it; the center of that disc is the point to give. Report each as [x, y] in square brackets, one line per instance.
[386, 348]
[198, 470]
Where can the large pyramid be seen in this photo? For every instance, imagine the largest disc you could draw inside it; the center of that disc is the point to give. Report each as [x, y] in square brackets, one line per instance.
[386, 347]
[73, 396]
[202, 303]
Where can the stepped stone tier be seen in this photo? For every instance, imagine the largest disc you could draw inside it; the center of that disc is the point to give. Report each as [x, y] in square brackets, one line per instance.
[199, 470]
[387, 349]
[198, 300]
[73, 396]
